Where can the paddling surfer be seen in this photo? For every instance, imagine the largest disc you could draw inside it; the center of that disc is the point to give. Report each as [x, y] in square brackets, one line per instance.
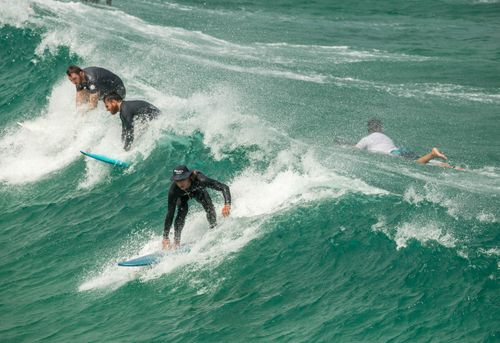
[378, 142]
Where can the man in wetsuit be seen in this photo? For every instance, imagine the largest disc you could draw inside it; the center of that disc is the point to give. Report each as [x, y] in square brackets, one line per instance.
[378, 142]
[93, 83]
[130, 111]
[187, 185]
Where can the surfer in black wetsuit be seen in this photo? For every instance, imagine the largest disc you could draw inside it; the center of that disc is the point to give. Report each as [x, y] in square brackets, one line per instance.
[93, 83]
[191, 185]
[130, 111]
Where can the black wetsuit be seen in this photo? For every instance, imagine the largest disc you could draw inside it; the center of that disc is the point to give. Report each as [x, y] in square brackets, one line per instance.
[131, 111]
[103, 81]
[198, 191]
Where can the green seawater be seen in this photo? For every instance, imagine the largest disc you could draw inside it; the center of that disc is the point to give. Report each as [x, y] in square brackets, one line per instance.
[325, 243]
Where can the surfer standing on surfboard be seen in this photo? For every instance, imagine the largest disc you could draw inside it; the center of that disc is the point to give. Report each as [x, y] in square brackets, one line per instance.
[130, 112]
[93, 83]
[188, 185]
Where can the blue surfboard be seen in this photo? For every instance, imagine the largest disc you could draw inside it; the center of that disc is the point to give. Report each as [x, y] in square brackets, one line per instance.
[154, 258]
[105, 159]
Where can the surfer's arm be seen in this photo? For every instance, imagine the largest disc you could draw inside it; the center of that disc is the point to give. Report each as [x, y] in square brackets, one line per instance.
[93, 99]
[214, 184]
[128, 139]
[219, 186]
[169, 218]
[82, 97]
[127, 133]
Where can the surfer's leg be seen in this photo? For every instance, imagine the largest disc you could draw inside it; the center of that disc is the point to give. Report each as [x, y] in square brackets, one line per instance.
[180, 219]
[433, 154]
[204, 199]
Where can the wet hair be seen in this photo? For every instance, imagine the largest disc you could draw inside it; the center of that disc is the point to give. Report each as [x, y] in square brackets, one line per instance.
[72, 69]
[374, 125]
[112, 96]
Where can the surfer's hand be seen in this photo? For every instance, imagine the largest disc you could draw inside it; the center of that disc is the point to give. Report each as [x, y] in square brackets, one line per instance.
[226, 210]
[166, 243]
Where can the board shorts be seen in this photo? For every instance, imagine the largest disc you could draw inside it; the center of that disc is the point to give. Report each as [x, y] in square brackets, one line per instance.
[403, 152]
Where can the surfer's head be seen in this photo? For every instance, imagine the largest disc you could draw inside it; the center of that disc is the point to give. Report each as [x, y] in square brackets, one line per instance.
[374, 125]
[112, 102]
[181, 177]
[75, 74]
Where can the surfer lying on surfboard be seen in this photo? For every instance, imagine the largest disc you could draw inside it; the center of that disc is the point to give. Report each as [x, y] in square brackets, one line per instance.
[378, 142]
[188, 185]
[130, 112]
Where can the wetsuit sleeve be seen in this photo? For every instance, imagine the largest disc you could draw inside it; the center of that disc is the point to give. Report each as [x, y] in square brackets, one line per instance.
[214, 184]
[128, 137]
[169, 218]
[127, 130]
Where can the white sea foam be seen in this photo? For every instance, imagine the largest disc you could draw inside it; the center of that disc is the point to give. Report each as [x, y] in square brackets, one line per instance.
[15, 13]
[486, 217]
[340, 53]
[53, 140]
[420, 229]
[493, 172]
[458, 205]
[423, 232]
[490, 252]
[485, 1]
[210, 249]
[45, 144]
[423, 90]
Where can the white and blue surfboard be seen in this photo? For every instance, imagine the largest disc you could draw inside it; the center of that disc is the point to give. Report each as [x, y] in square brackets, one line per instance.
[154, 258]
[105, 159]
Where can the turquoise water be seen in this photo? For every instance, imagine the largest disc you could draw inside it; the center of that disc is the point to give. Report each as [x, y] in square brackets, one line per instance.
[324, 243]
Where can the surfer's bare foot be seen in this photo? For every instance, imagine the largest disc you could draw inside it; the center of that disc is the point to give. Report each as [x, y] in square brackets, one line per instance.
[165, 243]
[437, 153]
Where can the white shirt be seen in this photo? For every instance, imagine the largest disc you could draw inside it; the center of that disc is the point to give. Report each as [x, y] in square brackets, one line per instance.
[377, 142]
